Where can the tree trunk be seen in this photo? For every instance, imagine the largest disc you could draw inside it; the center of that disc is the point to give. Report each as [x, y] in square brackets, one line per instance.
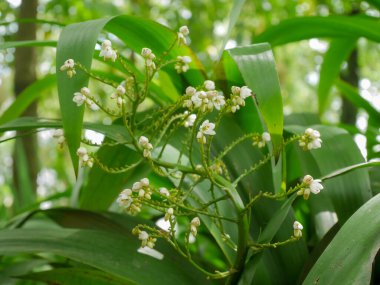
[25, 174]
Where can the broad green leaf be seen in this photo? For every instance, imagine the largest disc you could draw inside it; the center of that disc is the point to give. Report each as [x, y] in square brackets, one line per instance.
[75, 276]
[301, 28]
[77, 42]
[348, 258]
[338, 52]
[112, 253]
[237, 5]
[256, 65]
[27, 96]
[16, 268]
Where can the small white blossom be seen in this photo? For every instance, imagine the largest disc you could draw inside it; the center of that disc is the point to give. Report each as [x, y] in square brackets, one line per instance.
[68, 66]
[311, 186]
[183, 32]
[245, 92]
[261, 140]
[147, 147]
[182, 64]
[209, 85]
[168, 215]
[206, 128]
[297, 227]
[118, 95]
[190, 120]
[218, 101]
[310, 139]
[164, 192]
[125, 198]
[194, 224]
[79, 98]
[84, 157]
[149, 58]
[107, 52]
[59, 136]
[190, 91]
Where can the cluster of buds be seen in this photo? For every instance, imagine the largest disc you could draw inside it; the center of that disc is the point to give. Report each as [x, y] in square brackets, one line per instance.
[182, 64]
[190, 119]
[261, 140]
[217, 167]
[147, 146]
[130, 199]
[194, 224]
[68, 66]
[146, 239]
[83, 97]
[206, 128]
[107, 52]
[59, 136]
[238, 96]
[310, 185]
[310, 139]
[118, 95]
[183, 32]
[297, 229]
[149, 58]
[206, 99]
[85, 158]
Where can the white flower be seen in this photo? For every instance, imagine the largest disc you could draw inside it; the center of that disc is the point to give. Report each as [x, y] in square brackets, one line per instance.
[218, 101]
[182, 64]
[184, 30]
[190, 91]
[149, 57]
[58, 133]
[245, 92]
[84, 157]
[310, 139]
[125, 198]
[137, 186]
[164, 192]
[68, 66]
[107, 52]
[146, 52]
[147, 147]
[261, 140]
[206, 128]
[190, 120]
[145, 182]
[143, 141]
[194, 224]
[297, 227]
[169, 213]
[209, 85]
[311, 186]
[143, 236]
[79, 98]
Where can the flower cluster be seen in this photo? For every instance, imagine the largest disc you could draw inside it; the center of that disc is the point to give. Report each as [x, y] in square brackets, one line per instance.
[310, 139]
[107, 52]
[206, 99]
[146, 145]
[85, 158]
[146, 239]
[194, 224]
[130, 199]
[297, 227]
[149, 58]
[310, 185]
[118, 95]
[206, 128]
[59, 136]
[238, 96]
[68, 66]
[261, 140]
[183, 32]
[182, 64]
[190, 119]
[83, 97]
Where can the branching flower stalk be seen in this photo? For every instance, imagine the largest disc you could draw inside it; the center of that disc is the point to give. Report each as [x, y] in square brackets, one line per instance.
[199, 115]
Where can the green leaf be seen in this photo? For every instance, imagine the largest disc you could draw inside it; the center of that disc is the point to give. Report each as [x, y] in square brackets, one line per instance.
[75, 276]
[348, 258]
[301, 28]
[112, 253]
[77, 41]
[233, 17]
[337, 53]
[27, 96]
[351, 168]
[256, 65]
[18, 44]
